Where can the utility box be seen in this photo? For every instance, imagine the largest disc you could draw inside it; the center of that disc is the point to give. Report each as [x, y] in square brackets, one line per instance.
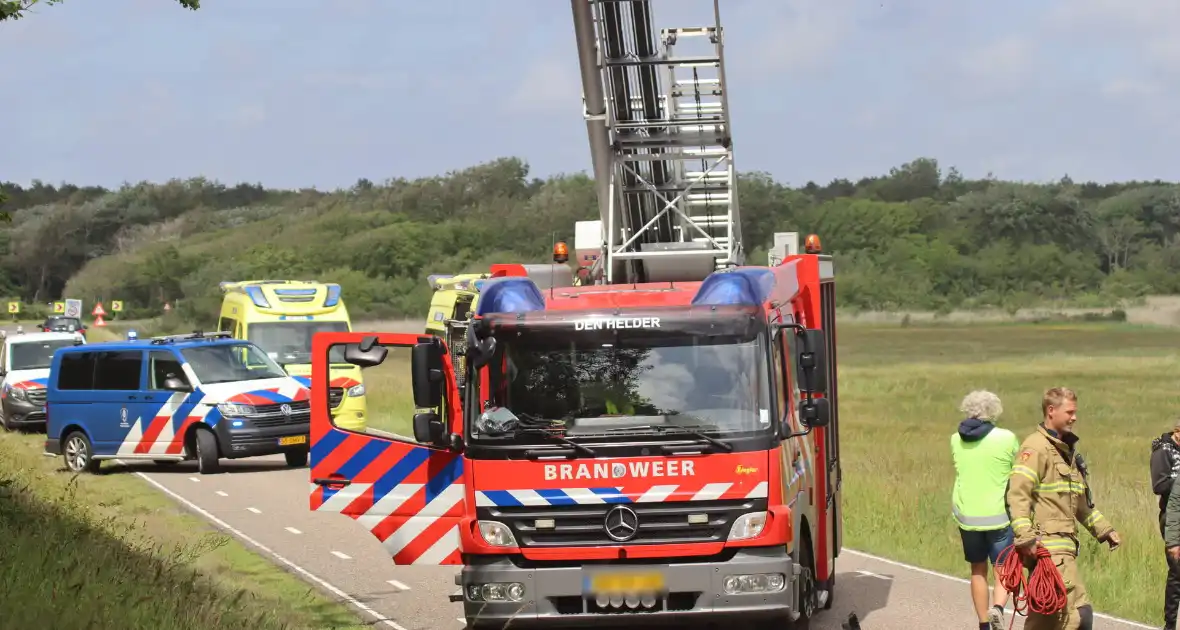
[785, 244]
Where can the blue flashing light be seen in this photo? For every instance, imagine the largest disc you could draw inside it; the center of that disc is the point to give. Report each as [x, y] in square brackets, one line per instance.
[256, 296]
[479, 285]
[132, 335]
[748, 287]
[510, 295]
[333, 295]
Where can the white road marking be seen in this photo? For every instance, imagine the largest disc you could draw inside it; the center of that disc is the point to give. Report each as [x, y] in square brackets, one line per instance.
[910, 567]
[293, 530]
[254, 510]
[328, 586]
[194, 479]
[222, 494]
[462, 621]
[342, 556]
[398, 585]
[876, 575]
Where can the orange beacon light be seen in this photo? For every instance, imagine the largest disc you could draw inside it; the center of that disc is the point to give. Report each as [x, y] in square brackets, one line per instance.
[811, 245]
[561, 253]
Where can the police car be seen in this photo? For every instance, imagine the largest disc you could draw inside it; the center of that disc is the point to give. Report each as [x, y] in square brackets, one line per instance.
[200, 396]
[24, 370]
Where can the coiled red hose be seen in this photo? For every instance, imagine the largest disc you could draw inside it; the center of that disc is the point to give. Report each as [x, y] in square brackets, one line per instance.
[1042, 592]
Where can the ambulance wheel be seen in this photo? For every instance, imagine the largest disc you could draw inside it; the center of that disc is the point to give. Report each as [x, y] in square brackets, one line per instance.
[79, 453]
[207, 455]
[296, 459]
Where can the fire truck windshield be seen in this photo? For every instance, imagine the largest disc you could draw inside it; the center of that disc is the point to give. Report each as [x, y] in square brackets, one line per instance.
[620, 381]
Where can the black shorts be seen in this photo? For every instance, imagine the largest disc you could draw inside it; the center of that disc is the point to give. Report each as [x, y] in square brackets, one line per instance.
[981, 546]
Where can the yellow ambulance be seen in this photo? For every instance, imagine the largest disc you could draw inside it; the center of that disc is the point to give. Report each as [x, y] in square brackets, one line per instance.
[280, 317]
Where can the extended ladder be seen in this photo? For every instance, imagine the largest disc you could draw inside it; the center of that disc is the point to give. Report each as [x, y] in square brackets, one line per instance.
[660, 136]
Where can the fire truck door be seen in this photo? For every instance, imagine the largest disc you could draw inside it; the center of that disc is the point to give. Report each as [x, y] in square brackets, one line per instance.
[409, 495]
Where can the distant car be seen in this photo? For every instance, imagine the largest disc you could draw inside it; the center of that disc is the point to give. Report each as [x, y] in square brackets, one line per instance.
[61, 323]
[199, 396]
[24, 371]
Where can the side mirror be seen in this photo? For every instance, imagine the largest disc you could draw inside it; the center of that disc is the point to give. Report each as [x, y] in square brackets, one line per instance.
[811, 362]
[428, 428]
[175, 384]
[426, 363]
[815, 413]
[366, 353]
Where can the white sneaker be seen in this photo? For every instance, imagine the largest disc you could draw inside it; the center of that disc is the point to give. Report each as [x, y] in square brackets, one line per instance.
[995, 616]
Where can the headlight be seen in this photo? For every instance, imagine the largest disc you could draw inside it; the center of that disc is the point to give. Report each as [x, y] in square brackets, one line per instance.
[18, 393]
[748, 526]
[496, 534]
[356, 390]
[230, 410]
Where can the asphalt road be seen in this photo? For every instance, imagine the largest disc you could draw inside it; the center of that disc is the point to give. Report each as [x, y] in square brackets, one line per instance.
[266, 505]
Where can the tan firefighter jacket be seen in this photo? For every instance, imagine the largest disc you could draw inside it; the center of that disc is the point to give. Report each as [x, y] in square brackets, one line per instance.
[1047, 494]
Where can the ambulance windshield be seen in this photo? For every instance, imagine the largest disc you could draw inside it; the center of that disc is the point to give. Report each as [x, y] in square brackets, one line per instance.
[614, 379]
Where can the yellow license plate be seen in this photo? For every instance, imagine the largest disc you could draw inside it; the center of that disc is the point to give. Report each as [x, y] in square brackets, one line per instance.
[292, 439]
[626, 583]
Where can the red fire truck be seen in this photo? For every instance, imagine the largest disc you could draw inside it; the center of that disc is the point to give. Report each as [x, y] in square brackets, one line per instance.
[669, 449]
[656, 439]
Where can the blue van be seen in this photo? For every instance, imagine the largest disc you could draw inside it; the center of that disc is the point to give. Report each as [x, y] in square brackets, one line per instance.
[199, 396]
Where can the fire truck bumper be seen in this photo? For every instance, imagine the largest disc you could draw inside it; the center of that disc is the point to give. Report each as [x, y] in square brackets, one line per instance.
[755, 584]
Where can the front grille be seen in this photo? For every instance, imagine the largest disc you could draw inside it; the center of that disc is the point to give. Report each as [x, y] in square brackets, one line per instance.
[659, 523]
[335, 396]
[272, 415]
[36, 396]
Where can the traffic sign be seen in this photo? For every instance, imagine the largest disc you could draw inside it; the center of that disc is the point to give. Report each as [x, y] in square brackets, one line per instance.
[116, 306]
[98, 312]
[59, 307]
[14, 307]
[74, 308]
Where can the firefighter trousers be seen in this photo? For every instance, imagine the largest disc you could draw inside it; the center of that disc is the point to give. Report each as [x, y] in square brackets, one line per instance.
[1077, 614]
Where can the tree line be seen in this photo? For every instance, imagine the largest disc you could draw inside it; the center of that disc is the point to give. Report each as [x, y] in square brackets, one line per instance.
[914, 238]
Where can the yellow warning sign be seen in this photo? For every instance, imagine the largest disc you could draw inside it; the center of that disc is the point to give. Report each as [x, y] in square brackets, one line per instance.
[14, 307]
[59, 307]
[116, 306]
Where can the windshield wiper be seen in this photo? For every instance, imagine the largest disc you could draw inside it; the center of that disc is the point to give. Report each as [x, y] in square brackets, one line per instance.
[665, 429]
[581, 448]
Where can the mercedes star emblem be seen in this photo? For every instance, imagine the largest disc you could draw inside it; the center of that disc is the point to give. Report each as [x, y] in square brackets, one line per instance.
[285, 409]
[621, 523]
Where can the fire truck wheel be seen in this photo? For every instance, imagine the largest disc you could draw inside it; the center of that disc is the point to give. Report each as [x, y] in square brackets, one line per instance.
[806, 592]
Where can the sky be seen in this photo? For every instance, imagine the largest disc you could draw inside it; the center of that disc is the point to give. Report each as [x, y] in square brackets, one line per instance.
[301, 93]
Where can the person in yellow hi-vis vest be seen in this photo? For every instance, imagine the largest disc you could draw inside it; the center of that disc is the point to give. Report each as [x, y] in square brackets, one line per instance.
[1047, 498]
[983, 455]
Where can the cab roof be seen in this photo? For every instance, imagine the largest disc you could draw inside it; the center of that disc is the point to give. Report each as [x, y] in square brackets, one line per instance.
[12, 337]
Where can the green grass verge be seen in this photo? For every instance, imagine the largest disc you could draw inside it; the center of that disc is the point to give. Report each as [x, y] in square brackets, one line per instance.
[109, 551]
[899, 395]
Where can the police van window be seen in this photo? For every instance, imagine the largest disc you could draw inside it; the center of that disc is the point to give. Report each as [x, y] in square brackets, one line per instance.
[77, 371]
[118, 370]
[163, 365]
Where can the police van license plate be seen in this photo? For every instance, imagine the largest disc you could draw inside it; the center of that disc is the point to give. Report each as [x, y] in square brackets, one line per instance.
[631, 582]
[292, 439]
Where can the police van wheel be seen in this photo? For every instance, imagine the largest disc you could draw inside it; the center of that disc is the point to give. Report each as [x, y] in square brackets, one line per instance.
[295, 459]
[207, 455]
[79, 453]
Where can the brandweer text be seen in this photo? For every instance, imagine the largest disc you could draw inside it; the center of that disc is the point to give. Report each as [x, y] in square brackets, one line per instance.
[670, 468]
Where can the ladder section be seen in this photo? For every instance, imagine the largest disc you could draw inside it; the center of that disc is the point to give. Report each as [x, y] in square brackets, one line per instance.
[672, 212]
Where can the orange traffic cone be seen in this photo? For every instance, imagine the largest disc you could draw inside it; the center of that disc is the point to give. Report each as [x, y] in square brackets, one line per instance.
[98, 321]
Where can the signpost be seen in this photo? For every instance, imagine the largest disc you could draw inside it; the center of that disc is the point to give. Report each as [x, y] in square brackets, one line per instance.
[98, 312]
[59, 308]
[73, 308]
[13, 309]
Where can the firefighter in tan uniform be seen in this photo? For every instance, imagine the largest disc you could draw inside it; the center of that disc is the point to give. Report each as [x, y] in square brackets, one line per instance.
[1047, 498]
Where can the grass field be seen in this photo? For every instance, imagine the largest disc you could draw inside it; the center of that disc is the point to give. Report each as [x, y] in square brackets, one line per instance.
[109, 551]
[899, 394]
